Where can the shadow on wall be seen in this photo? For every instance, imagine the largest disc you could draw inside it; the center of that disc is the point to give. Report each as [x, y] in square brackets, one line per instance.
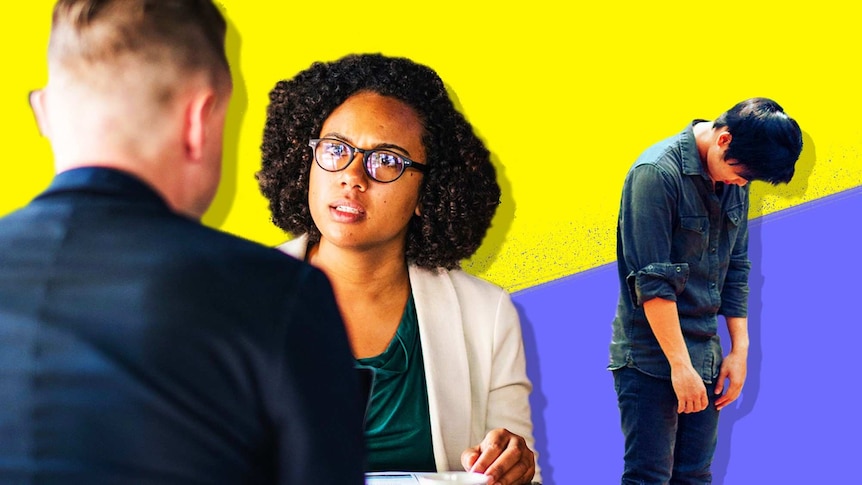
[218, 211]
[502, 221]
[567, 328]
[538, 400]
[744, 405]
[795, 190]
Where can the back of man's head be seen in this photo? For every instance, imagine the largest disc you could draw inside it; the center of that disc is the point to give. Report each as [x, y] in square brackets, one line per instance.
[97, 42]
[765, 141]
[116, 68]
[140, 86]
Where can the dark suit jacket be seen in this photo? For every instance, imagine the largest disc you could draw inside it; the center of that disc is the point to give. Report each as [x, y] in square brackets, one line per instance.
[138, 346]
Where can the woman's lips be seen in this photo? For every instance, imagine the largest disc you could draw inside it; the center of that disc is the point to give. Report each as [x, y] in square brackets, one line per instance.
[345, 208]
[346, 211]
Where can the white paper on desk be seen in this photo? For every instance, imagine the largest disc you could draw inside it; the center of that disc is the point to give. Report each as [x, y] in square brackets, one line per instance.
[391, 478]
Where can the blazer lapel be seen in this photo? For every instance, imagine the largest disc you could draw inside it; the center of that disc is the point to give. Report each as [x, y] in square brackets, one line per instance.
[445, 358]
[446, 368]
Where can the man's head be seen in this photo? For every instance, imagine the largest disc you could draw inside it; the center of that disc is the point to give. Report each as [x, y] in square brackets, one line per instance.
[135, 84]
[90, 38]
[764, 143]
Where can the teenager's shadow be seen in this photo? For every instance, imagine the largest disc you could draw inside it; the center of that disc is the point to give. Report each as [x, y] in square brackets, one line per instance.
[738, 410]
[218, 211]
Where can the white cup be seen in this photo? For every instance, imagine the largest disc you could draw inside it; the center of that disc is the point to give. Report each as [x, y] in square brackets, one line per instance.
[460, 478]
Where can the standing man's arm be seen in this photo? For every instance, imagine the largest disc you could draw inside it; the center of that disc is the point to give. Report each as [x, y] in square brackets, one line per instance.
[663, 319]
[734, 306]
[646, 225]
[735, 365]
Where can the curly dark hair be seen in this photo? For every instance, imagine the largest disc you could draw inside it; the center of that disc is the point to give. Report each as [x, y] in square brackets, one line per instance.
[459, 193]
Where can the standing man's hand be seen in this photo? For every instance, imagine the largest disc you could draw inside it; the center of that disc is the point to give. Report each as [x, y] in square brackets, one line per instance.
[734, 368]
[687, 384]
[735, 365]
[689, 388]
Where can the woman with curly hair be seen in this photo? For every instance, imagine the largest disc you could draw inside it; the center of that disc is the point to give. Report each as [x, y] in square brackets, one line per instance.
[386, 188]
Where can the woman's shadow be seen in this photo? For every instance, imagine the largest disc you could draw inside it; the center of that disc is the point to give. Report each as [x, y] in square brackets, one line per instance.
[479, 265]
[487, 253]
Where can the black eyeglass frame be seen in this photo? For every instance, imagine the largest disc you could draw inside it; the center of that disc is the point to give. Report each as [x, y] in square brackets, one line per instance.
[352, 151]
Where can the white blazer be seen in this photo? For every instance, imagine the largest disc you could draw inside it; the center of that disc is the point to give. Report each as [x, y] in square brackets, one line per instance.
[474, 359]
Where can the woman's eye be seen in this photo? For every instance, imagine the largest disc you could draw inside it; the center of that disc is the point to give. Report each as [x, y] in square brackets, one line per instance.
[387, 160]
[334, 149]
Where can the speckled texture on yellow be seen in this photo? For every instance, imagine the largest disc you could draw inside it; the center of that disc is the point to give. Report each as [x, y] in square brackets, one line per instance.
[565, 96]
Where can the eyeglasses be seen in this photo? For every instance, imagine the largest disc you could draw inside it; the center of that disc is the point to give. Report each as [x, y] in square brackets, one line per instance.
[384, 166]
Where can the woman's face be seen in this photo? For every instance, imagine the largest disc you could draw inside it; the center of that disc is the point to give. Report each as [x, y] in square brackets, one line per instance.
[349, 208]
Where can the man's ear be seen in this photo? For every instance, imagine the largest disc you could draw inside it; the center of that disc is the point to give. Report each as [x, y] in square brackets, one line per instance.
[724, 139]
[197, 115]
[37, 104]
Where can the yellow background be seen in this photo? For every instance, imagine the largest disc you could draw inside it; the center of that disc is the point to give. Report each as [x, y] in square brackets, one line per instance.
[564, 95]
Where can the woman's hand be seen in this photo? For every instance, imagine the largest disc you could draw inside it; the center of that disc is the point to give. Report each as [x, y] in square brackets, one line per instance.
[503, 456]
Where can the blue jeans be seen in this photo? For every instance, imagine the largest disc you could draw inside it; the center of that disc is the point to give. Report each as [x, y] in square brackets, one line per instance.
[661, 445]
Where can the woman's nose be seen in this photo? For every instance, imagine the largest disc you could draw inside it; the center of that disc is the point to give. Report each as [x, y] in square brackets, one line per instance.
[354, 174]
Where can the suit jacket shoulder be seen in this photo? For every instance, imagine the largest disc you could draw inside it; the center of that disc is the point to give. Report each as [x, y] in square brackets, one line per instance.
[156, 347]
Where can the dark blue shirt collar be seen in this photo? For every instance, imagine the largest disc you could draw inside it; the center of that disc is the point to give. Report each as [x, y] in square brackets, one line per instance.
[105, 181]
[691, 162]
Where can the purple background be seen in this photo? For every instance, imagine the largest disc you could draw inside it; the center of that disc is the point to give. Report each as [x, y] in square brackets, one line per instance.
[796, 421]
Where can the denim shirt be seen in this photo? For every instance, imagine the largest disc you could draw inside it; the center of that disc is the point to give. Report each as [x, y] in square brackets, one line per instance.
[680, 240]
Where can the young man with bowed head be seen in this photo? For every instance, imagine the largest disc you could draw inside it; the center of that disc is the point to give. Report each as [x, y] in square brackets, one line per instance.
[682, 255]
[137, 345]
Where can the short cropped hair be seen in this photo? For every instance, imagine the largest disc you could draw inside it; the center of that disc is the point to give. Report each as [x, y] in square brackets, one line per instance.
[764, 140]
[186, 36]
[459, 193]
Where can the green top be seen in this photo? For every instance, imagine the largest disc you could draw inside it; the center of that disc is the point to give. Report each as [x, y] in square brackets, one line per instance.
[398, 423]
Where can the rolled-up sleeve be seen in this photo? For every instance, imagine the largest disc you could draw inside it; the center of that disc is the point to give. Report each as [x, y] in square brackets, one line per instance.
[646, 219]
[657, 280]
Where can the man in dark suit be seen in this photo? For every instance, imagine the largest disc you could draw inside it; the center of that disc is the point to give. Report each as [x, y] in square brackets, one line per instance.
[138, 346]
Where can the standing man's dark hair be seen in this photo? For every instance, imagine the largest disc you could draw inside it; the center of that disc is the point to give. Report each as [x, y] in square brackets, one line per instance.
[137, 345]
[682, 258]
[764, 140]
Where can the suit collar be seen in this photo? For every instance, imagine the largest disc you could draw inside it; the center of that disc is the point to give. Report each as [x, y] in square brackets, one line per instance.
[103, 181]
